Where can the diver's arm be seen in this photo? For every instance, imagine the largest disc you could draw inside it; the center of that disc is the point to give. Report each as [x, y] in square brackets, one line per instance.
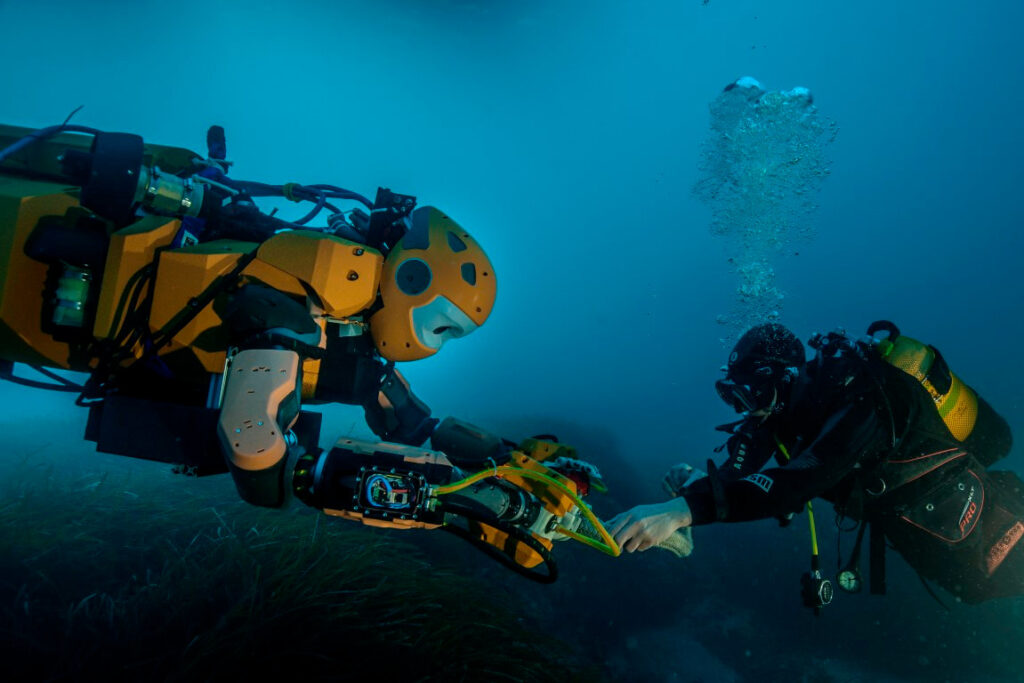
[749, 448]
[847, 435]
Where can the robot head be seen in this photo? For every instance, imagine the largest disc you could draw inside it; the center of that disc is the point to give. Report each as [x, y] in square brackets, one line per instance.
[437, 284]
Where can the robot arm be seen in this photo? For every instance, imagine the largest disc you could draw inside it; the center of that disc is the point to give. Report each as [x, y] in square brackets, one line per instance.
[260, 405]
[395, 414]
[263, 388]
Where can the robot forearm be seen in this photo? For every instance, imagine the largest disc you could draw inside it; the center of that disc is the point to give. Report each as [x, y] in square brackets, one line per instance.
[394, 413]
[394, 485]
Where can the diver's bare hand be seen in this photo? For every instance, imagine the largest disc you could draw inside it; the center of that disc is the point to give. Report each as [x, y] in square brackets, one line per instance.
[645, 526]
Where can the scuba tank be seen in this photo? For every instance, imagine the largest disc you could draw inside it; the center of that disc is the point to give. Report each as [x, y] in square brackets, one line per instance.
[956, 403]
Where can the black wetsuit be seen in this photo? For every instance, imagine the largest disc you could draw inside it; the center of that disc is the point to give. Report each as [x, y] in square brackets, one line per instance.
[867, 437]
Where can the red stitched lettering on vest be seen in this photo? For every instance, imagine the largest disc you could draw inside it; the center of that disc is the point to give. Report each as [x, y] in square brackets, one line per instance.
[968, 515]
[998, 552]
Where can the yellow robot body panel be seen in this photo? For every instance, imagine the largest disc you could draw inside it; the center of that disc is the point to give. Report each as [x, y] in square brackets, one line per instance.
[310, 376]
[299, 264]
[343, 274]
[380, 523]
[273, 277]
[183, 274]
[554, 500]
[187, 272]
[22, 279]
[524, 555]
[131, 250]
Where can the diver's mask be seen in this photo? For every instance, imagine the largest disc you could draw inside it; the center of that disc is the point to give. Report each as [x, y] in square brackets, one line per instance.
[760, 393]
[744, 398]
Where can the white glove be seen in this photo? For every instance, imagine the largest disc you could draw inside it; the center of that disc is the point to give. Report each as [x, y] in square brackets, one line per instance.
[647, 526]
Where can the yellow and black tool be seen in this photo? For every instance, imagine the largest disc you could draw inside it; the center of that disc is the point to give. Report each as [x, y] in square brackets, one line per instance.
[514, 510]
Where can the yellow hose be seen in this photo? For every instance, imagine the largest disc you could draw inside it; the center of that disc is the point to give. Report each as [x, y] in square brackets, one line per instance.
[814, 532]
[463, 483]
[608, 546]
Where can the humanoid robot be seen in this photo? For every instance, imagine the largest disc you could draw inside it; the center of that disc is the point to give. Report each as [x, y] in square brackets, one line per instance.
[204, 324]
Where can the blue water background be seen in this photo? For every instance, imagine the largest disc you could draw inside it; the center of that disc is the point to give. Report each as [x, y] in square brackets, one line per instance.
[565, 137]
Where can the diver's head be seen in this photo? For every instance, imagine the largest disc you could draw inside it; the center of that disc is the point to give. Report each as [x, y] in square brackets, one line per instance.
[761, 370]
[437, 284]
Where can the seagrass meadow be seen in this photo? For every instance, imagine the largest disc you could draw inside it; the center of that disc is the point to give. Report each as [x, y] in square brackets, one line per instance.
[124, 577]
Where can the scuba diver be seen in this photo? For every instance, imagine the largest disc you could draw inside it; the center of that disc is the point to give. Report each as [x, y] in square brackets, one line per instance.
[881, 428]
[204, 325]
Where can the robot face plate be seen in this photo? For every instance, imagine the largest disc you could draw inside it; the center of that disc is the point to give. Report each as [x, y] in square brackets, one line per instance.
[440, 320]
[437, 284]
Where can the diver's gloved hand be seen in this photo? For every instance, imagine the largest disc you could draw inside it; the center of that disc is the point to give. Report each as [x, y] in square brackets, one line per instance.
[679, 543]
[646, 526]
[679, 477]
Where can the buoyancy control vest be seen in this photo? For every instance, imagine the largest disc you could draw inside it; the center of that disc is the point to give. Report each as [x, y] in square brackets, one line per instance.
[930, 493]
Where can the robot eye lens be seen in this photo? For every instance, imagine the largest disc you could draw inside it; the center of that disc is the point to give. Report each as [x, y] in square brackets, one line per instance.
[413, 277]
